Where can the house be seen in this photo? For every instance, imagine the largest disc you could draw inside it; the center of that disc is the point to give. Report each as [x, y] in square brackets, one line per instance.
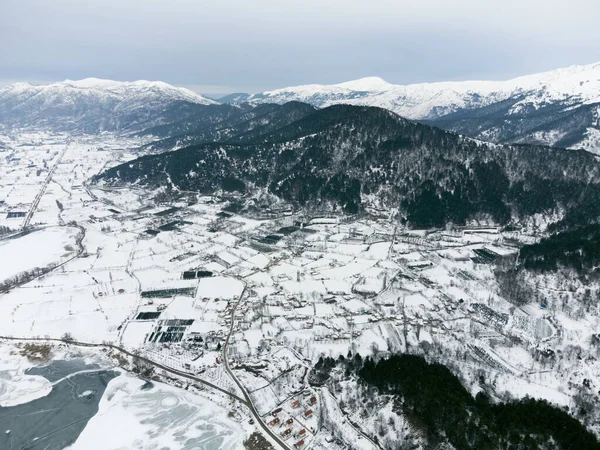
[295, 403]
[313, 400]
[289, 421]
[308, 413]
[274, 422]
[276, 411]
[301, 433]
[299, 444]
[287, 432]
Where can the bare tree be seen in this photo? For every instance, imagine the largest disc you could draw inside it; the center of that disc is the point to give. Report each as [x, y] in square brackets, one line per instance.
[67, 337]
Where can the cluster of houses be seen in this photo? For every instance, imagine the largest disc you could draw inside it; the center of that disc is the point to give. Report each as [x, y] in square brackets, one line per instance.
[288, 431]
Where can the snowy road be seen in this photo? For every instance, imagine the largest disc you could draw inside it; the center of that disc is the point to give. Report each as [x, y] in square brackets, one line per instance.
[248, 400]
[141, 358]
[40, 194]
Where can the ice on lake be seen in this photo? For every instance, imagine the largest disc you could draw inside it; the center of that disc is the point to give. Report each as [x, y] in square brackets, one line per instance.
[149, 415]
[54, 421]
[89, 406]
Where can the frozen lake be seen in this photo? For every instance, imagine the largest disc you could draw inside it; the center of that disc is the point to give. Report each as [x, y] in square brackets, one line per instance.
[148, 415]
[55, 421]
[86, 400]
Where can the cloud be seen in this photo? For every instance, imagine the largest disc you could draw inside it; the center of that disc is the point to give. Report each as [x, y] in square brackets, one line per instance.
[261, 44]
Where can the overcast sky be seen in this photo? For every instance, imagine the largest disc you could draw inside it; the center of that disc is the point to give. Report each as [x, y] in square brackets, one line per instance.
[223, 46]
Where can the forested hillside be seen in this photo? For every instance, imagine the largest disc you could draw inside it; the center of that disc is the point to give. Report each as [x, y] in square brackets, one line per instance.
[438, 401]
[578, 248]
[224, 123]
[357, 159]
[440, 411]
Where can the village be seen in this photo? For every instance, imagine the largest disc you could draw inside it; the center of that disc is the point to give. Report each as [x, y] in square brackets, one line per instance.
[249, 303]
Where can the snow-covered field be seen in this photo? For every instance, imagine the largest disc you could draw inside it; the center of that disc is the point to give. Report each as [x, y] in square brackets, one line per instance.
[40, 248]
[336, 286]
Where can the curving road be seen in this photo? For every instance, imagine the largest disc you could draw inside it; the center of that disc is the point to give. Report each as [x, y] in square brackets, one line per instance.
[133, 355]
[248, 400]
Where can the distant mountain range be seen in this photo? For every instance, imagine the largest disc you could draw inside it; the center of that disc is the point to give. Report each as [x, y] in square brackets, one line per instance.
[559, 108]
[348, 157]
[93, 105]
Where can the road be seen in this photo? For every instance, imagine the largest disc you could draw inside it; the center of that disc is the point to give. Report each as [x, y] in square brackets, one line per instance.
[248, 400]
[141, 358]
[40, 194]
[325, 391]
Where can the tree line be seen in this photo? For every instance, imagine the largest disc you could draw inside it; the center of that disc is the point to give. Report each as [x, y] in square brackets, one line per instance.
[443, 411]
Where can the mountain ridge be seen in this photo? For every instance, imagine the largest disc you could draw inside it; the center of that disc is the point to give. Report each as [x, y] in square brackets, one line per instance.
[93, 105]
[358, 158]
[558, 83]
[538, 104]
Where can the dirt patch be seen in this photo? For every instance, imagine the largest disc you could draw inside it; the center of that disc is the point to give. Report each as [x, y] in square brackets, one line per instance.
[36, 352]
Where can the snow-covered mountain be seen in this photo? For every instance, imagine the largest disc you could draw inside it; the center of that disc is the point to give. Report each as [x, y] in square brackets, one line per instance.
[93, 105]
[560, 107]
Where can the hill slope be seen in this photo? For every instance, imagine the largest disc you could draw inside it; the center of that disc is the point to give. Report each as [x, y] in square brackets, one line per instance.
[364, 158]
[225, 123]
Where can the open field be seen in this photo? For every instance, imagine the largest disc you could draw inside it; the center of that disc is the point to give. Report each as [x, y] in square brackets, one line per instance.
[289, 290]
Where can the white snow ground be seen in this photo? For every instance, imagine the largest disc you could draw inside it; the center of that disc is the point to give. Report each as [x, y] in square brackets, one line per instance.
[325, 290]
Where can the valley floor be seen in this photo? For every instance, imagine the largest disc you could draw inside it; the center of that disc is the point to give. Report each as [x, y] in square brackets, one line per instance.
[113, 268]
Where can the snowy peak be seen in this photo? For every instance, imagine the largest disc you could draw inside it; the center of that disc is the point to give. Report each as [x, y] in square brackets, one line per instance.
[551, 108]
[432, 100]
[89, 83]
[565, 77]
[108, 88]
[368, 84]
[92, 105]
